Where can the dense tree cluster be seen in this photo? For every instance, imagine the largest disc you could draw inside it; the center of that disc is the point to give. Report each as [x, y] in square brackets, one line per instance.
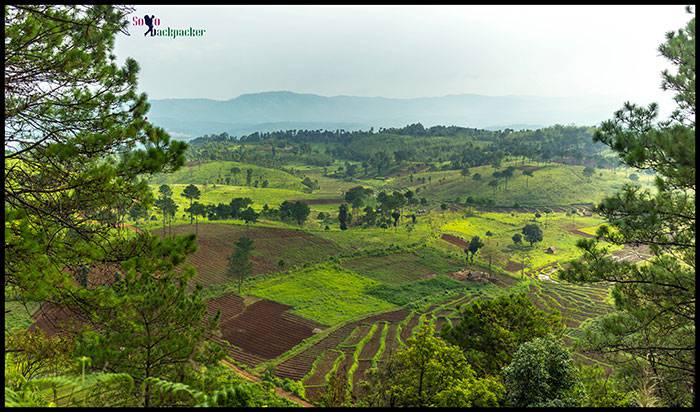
[380, 152]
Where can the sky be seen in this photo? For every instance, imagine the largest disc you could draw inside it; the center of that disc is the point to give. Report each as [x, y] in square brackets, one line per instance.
[406, 51]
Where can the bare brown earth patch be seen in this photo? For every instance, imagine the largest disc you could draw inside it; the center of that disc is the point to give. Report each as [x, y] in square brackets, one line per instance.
[265, 329]
[323, 366]
[514, 266]
[216, 242]
[457, 241]
[632, 253]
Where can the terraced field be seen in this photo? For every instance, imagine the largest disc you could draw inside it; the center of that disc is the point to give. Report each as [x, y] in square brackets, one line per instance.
[576, 303]
[260, 330]
[355, 347]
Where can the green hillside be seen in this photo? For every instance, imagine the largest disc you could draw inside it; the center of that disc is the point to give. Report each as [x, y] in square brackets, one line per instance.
[550, 185]
[216, 172]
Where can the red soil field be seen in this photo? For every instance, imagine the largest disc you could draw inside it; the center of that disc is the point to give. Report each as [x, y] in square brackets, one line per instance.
[358, 389]
[514, 266]
[356, 336]
[440, 323]
[324, 365]
[407, 330]
[53, 319]
[390, 343]
[457, 241]
[365, 359]
[265, 330]
[371, 347]
[314, 393]
[230, 305]
[215, 243]
[298, 366]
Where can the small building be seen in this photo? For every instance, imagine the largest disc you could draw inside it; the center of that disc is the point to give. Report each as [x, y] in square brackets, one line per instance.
[551, 250]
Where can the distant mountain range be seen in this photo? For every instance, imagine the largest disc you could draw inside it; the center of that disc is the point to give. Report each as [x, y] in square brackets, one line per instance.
[269, 111]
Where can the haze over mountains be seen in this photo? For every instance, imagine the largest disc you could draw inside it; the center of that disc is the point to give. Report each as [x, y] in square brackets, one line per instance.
[268, 111]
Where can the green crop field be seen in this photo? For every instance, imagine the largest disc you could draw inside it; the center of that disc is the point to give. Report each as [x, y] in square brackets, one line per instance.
[414, 291]
[326, 293]
[403, 267]
[215, 243]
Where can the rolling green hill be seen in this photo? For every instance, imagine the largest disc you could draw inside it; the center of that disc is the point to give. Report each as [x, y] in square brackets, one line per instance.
[551, 185]
[216, 172]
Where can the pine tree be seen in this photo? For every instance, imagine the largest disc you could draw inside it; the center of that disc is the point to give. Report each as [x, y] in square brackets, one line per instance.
[654, 324]
[240, 266]
[150, 323]
[73, 119]
[192, 193]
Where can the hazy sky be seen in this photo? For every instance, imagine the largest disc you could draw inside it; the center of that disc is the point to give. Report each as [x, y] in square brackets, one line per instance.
[406, 51]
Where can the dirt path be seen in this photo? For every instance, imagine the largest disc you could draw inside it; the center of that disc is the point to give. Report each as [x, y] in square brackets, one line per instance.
[280, 392]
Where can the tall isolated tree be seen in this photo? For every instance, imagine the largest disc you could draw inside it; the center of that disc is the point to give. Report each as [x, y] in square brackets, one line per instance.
[507, 174]
[73, 120]
[494, 184]
[162, 204]
[167, 206]
[300, 212]
[528, 173]
[192, 193]
[138, 211]
[239, 264]
[343, 216]
[475, 244]
[197, 209]
[653, 326]
[357, 196]
[532, 233]
[235, 171]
